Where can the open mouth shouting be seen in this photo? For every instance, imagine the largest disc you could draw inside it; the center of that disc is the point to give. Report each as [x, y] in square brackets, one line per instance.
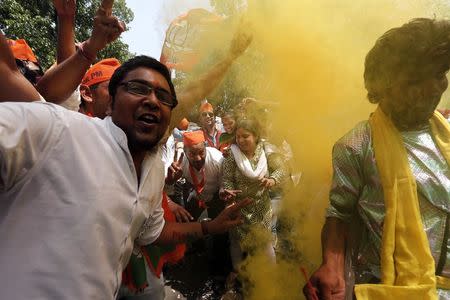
[148, 121]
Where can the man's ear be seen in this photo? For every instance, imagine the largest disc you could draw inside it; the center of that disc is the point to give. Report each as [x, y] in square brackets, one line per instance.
[110, 106]
[86, 93]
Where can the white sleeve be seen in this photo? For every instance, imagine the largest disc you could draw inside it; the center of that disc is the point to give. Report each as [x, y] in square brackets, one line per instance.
[74, 101]
[167, 157]
[152, 227]
[27, 130]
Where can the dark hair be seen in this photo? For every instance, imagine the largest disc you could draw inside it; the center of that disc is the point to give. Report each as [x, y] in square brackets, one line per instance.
[228, 114]
[137, 62]
[250, 125]
[32, 76]
[412, 52]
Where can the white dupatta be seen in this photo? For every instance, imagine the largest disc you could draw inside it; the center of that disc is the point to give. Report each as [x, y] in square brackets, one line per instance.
[244, 165]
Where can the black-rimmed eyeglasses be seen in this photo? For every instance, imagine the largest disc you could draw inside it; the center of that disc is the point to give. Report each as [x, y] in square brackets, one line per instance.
[145, 89]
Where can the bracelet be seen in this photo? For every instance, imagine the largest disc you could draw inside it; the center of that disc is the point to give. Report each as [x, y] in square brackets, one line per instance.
[205, 230]
[84, 54]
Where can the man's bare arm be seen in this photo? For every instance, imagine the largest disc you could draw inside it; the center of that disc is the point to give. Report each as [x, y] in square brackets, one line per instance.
[58, 83]
[206, 83]
[65, 10]
[182, 232]
[328, 280]
[13, 85]
[174, 232]
[333, 237]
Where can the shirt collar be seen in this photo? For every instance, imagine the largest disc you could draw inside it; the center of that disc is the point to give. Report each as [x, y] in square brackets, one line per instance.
[117, 133]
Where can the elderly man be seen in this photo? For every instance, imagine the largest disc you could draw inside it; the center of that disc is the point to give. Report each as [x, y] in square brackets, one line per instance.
[79, 210]
[203, 170]
[390, 199]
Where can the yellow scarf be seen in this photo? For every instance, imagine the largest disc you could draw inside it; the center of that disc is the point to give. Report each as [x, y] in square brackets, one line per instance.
[407, 267]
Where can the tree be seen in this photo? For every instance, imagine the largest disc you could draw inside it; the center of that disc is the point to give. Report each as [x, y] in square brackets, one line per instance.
[35, 21]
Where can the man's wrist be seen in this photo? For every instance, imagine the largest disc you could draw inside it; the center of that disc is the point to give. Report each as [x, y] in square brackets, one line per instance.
[205, 227]
[333, 261]
[86, 51]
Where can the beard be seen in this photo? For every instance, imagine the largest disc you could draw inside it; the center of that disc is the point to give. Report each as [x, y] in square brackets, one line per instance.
[414, 109]
[144, 142]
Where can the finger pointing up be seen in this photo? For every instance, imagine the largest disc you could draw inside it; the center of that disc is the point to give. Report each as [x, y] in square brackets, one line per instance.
[105, 8]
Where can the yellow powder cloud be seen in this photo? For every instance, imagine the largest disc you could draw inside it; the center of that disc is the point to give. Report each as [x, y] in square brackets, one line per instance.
[313, 67]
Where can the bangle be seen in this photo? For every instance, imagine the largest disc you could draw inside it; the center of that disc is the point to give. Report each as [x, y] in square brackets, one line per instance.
[85, 54]
[205, 230]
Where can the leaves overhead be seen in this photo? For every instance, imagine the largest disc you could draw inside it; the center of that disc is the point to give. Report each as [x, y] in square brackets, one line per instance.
[35, 21]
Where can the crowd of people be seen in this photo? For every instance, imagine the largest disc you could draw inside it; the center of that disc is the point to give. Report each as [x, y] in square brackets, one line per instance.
[125, 109]
[104, 180]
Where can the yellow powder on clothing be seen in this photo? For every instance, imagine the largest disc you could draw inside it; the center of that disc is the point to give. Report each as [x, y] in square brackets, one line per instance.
[313, 67]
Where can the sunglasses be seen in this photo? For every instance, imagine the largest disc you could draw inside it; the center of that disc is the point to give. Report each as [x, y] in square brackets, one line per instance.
[207, 114]
[145, 89]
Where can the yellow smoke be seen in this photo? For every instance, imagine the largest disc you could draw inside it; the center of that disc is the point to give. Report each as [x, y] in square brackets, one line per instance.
[315, 53]
[313, 66]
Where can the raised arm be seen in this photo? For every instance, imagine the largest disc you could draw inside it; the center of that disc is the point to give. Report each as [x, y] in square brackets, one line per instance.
[65, 9]
[59, 82]
[206, 83]
[13, 86]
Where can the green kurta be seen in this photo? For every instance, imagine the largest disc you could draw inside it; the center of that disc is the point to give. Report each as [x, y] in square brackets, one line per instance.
[260, 211]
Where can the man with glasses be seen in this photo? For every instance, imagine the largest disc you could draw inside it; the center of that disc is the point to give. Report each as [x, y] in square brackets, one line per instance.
[78, 192]
[92, 207]
[207, 121]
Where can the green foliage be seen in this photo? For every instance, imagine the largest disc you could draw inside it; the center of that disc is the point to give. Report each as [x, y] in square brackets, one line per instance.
[35, 21]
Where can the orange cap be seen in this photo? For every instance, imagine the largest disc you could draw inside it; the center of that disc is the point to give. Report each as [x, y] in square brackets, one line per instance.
[101, 71]
[193, 138]
[21, 50]
[206, 107]
[184, 124]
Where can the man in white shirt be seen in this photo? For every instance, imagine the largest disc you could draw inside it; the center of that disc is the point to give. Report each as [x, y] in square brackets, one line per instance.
[202, 169]
[76, 192]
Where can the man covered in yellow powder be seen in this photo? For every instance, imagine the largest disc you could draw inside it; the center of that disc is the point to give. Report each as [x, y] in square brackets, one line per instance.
[386, 234]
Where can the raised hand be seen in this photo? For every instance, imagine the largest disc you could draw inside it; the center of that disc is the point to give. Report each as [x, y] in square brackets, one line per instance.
[174, 172]
[107, 28]
[241, 39]
[65, 7]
